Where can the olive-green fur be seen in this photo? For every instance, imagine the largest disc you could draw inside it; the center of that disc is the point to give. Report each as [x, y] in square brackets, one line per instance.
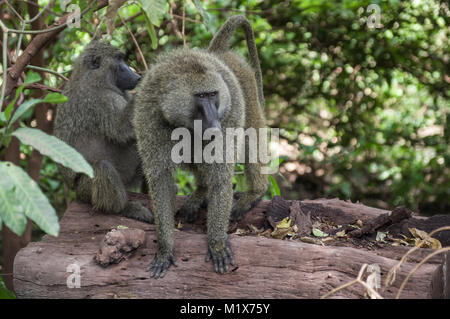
[96, 121]
[164, 101]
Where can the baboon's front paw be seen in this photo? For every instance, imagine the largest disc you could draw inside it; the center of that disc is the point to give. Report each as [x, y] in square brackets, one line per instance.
[221, 255]
[158, 267]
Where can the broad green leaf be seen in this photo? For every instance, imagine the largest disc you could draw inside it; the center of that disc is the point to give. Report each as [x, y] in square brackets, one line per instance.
[151, 31]
[34, 203]
[155, 10]
[11, 209]
[55, 98]
[25, 106]
[56, 149]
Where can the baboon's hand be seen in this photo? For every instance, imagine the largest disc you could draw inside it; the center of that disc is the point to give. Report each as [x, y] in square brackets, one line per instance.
[158, 267]
[221, 255]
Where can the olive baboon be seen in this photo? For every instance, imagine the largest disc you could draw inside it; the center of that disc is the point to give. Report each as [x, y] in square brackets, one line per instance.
[96, 121]
[220, 89]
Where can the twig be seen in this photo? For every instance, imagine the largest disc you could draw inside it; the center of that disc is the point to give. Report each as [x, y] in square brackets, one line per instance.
[187, 19]
[42, 87]
[358, 280]
[135, 42]
[38, 68]
[173, 21]
[43, 8]
[14, 10]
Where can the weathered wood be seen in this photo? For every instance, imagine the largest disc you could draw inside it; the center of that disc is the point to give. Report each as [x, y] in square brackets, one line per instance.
[266, 268]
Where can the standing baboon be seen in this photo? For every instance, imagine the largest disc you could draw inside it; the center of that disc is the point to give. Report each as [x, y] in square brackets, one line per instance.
[96, 121]
[220, 89]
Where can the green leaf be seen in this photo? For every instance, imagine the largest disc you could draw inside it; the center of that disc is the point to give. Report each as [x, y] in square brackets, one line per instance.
[151, 31]
[34, 203]
[11, 209]
[318, 233]
[274, 188]
[4, 292]
[10, 107]
[25, 106]
[56, 149]
[55, 98]
[32, 77]
[3, 119]
[155, 10]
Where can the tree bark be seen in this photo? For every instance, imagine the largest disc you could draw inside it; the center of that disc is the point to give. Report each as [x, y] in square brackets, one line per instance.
[266, 267]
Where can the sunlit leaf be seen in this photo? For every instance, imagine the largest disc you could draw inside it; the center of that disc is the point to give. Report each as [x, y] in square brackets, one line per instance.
[318, 233]
[29, 198]
[56, 149]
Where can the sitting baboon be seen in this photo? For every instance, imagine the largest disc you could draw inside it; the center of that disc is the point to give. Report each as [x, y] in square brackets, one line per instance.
[222, 91]
[96, 121]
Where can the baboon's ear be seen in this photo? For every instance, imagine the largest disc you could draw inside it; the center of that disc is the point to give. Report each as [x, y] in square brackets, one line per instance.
[92, 61]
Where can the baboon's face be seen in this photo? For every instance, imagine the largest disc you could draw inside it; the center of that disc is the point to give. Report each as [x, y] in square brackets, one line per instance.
[194, 96]
[125, 78]
[206, 106]
[112, 68]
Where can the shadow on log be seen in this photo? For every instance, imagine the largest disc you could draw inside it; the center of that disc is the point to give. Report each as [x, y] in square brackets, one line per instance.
[266, 267]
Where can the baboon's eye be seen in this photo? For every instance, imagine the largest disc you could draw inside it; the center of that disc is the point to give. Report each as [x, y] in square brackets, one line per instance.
[201, 95]
[213, 93]
[92, 62]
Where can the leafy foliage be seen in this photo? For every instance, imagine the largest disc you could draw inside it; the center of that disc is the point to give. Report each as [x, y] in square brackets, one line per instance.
[20, 196]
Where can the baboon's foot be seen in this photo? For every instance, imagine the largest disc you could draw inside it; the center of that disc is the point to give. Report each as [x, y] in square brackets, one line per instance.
[245, 202]
[191, 207]
[221, 255]
[158, 267]
[138, 211]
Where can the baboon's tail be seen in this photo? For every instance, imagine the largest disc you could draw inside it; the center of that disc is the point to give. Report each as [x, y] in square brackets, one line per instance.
[221, 43]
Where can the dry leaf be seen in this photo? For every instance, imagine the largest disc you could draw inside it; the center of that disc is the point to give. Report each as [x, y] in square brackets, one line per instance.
[240, 232]
[423, 240]
[340, 233]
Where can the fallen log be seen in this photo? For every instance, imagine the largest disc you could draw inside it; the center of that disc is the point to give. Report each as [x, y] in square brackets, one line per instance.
[266, 267]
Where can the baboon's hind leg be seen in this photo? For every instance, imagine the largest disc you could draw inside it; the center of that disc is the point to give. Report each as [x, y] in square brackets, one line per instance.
[108, 194]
